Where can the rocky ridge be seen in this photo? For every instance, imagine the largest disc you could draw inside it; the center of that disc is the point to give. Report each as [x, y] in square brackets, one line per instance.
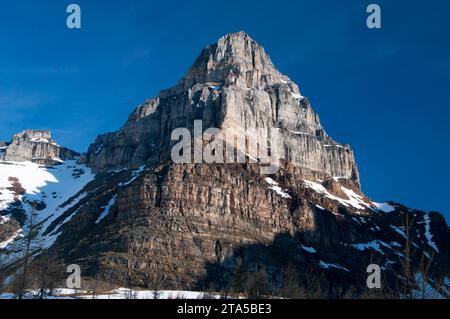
[35, 146]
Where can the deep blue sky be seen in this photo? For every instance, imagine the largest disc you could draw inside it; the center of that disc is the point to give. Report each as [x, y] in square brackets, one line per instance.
[385, 92]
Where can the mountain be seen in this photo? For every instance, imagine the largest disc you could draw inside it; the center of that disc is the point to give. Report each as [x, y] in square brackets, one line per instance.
[133, 216]
[36, 146]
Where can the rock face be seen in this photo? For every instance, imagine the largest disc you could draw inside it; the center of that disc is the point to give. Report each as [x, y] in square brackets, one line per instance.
[234, 86]
[36, 146]
[179, 226]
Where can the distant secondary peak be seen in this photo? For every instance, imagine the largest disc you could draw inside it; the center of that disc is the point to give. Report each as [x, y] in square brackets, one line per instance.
[35, 146]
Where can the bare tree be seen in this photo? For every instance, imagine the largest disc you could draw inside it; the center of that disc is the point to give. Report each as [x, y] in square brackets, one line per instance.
[257, 284]
[3, 265]
[156, 280]
[291, 287]
[239, 278]
[414, 279]
[408, 252]
[45, 274]
[130, 294]
[22, 280]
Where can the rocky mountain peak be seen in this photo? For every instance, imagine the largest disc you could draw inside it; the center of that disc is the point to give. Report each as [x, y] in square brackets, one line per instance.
[235, 59]
[233, 86]
[36, 146]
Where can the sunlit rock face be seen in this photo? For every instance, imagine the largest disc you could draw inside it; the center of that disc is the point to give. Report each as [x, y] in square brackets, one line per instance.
[36, 146]
[233, 85]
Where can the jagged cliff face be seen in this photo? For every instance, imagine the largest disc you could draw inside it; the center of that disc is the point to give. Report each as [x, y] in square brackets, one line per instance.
[35, 146]
[234, 86]
[185, 226]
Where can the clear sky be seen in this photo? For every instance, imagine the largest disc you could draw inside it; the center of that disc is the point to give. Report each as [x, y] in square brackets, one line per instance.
[385, 92]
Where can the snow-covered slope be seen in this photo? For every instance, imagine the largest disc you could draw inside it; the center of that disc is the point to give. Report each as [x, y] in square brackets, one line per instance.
[24, 185]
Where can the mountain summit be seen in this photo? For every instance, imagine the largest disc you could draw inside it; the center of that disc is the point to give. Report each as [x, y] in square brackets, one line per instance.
[236, 59]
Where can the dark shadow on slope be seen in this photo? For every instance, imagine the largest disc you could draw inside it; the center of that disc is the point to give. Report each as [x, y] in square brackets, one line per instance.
[274, 259]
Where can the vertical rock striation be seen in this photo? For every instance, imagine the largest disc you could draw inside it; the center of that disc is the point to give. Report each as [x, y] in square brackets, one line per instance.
[234, 86]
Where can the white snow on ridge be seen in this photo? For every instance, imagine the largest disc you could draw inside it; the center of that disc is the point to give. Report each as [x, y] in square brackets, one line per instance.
[299, 133]
[310, 250]
[428, 234]
[135, 174]
[52, 185]
[106, 209]
[31, 176]
[325, 265]
[4, 219]
[375, 245]
[398, 230]
[384, 207]
[274, 186]
[42, 140]
[335, 145]
[354, 200]
[297, 96]
[18, 234]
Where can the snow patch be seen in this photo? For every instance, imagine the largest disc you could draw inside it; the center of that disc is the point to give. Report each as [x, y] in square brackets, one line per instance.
[354, 200]
[274, 186]
[18, 234]
[384, 207]
[106, 209]
[134, 176]
[398, 230]
[52, 185]
[310, 250]
[300, 133]
[4, 219]
[325, 265]
[428, 234]
[425, 289]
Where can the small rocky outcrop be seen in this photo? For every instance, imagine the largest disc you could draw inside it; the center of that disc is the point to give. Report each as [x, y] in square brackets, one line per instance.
[36, 146]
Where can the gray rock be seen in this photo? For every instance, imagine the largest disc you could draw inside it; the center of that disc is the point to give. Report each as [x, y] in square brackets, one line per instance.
[233, 85]
[36, 146]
